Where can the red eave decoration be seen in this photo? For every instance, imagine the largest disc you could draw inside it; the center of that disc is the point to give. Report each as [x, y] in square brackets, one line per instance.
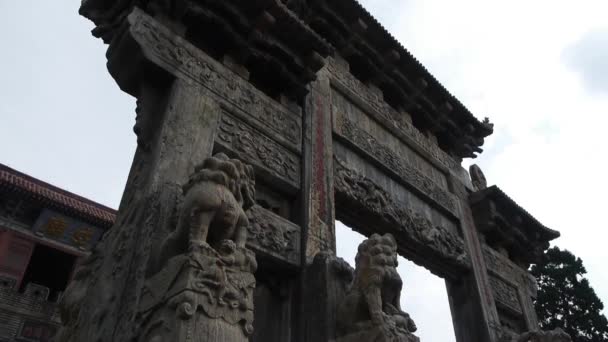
[55, 198]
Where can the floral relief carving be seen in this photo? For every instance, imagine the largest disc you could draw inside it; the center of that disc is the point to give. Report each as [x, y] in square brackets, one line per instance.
[260, 150]
[273, 234]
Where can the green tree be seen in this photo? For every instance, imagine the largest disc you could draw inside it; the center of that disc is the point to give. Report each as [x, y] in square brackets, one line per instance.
[565, 298]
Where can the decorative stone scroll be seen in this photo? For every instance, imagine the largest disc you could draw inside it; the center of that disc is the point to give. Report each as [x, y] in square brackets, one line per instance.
[371, 311]
[505, 294]
[391, 119]
[254, 146]
[401, 168]
[184, 60]
[204, 289]
[378, 206]
[273, 235]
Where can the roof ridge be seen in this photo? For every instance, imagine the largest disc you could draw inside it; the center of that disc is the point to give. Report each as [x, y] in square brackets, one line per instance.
[20, 179]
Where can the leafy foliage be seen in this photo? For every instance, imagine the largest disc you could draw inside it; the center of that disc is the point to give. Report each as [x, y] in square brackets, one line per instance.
[566, 300]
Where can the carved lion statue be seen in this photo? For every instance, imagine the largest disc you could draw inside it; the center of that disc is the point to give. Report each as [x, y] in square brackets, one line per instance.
[373, 300]
[213, 209]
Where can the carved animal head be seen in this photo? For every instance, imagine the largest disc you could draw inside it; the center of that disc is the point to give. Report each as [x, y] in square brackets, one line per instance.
[376, 263]
[232, 173]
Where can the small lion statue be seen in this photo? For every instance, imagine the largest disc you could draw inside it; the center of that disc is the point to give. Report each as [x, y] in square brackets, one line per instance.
[371, 310]
[213, 209]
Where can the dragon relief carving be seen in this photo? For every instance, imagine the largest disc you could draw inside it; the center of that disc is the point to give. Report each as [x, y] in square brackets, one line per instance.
[407, 173]
[204, 288]
[355, 188]
[371, 310]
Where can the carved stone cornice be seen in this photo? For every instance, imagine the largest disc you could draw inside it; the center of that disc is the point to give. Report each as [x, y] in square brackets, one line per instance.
[387, 116]
[418, 237]
[507, 225]
[377, 57]
[280, 53]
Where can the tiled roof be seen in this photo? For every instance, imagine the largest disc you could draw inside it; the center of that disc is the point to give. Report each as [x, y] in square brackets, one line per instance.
[56, 198]
[496, 193]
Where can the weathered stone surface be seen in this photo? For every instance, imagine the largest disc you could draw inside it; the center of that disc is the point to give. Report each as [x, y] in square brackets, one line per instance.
[410, 228]
[505, 294]
[231, 77]
[393, 163]
[206, 272]
[270, 234]
[258, 149]
[478, 179]
[180, 58]
[371, 311]
[557, 335]
[395, 122]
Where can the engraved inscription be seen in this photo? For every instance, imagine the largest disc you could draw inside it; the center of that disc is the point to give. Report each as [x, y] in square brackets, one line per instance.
[402, 169]
[389, 117]
[258, 149]
[378, 205]
[273, 235]
[185, 60]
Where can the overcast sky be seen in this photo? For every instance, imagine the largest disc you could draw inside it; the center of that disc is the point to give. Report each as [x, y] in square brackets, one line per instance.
[538, 69]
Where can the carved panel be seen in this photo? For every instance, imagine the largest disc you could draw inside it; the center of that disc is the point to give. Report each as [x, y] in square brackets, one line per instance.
[400, 167]
[387, 116]
[505, 294]
[414, 231]
[343, 106]
[273, 235]
[254, 147]
[184, 60]
[502, 267]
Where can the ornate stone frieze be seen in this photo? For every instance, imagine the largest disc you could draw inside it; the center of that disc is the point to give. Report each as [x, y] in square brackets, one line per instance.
[405, 172]
[371, 310]
[184, 60]
[256, 148]
[378, 206]
[505, 294]
[502, 267]
[273, 235]
[387, 116]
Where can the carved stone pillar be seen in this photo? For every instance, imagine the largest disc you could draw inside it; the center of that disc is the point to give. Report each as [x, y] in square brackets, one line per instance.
[318, 167]
[176, 123]
[471, 299]
[204, 289]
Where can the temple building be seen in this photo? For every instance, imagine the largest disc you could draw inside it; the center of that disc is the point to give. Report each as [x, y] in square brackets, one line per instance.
[45, 232]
